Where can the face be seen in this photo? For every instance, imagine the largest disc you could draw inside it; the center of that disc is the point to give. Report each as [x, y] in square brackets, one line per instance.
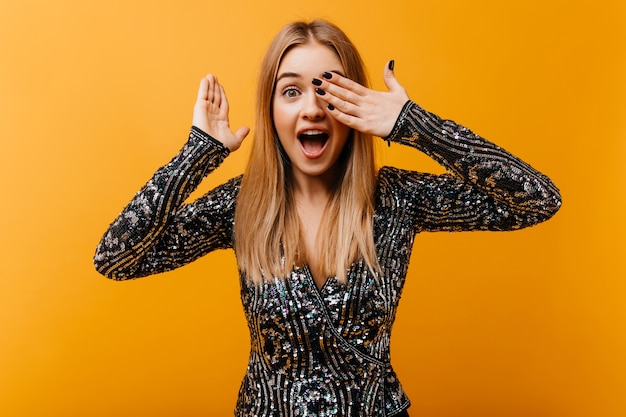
[311, 137]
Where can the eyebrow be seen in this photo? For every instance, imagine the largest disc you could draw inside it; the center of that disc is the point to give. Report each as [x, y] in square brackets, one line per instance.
[296, 75]
[288, 75]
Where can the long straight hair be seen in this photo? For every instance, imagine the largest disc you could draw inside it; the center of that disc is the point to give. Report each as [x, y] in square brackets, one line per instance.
[268, 241]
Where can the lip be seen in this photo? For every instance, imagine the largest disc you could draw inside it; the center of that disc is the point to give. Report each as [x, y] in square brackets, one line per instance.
[313, 155]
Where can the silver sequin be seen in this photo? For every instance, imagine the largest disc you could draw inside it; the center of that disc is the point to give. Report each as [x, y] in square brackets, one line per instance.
[325, 352]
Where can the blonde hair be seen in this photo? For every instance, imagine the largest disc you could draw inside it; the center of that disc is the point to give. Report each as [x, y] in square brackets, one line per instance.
[267, 226]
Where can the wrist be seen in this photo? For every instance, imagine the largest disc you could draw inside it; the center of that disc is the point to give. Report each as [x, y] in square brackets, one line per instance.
[398, 126]
[204, 136]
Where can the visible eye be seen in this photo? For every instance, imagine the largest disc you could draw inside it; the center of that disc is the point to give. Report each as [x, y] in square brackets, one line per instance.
[290, 92]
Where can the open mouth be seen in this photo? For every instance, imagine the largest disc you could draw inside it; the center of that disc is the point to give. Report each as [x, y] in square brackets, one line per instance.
[313, 142]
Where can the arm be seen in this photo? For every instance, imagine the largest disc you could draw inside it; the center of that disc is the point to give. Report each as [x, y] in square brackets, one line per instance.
[487, 188]
[156, 232]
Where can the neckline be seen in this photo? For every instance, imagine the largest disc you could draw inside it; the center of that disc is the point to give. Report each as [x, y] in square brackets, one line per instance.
[311, 280]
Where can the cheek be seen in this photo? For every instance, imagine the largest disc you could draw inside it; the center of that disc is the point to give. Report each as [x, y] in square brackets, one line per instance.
[344, 132]
[280, 118]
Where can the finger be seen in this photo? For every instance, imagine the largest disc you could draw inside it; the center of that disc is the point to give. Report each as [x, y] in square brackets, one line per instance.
[347, 119]
[238, 136]
[217, 93]
[340, 105]
[344, 82]
[202, 89]
[210, 88]
[333, 91]
[242, 132]
[389, 77]
[223, 101]
[339, 97]
[344, 89]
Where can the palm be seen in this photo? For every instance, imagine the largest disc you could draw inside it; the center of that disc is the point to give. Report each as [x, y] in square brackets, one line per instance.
[211, 114]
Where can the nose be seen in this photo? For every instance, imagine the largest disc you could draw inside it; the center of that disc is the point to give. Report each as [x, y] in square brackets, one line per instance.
[313, 108]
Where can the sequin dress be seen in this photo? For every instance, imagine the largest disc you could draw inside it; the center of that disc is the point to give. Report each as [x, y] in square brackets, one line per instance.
[325, 351]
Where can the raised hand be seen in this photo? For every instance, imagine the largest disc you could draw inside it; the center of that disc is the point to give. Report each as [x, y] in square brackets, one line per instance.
[210, 114]
[363, 109]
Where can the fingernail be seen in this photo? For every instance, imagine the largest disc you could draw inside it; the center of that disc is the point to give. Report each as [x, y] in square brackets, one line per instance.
[320, 91]
[392, 63]
[316, 81]
[330, 107]
[327, 75]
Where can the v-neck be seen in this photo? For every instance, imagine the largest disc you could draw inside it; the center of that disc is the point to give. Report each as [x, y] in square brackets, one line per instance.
[312, 283]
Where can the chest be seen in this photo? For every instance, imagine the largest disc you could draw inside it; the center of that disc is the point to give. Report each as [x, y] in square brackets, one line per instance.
[294, 324]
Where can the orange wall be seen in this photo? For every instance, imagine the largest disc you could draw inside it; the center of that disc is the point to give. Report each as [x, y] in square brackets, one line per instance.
[94, 96]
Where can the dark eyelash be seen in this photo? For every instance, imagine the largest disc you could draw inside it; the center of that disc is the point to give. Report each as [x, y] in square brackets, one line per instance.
[290, 88]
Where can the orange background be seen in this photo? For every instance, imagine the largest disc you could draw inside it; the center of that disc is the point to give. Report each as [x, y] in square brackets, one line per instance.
[94, 96]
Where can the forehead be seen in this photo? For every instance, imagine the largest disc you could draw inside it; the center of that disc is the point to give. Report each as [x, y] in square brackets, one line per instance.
[310, 57]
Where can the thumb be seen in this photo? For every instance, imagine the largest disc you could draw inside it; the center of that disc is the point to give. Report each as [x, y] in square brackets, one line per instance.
[241, 133]
[390, 77]
[238, 137]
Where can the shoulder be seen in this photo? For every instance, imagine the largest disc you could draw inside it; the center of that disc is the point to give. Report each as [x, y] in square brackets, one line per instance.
[231, 187]
[235, 181]
[223, 196]
[393, 185]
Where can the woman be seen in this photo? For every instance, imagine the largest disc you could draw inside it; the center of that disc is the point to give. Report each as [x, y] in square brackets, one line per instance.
[322, 240]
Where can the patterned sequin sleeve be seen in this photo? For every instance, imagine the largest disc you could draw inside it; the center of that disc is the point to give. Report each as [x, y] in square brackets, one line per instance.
[486, 187]
[156, 231]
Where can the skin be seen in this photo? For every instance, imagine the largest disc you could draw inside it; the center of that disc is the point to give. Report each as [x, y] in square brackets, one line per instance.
[300, 103]
[297, 108]
[210, 114]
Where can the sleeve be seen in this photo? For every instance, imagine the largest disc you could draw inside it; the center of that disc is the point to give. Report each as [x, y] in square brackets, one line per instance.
[485, 188]
[156, 232]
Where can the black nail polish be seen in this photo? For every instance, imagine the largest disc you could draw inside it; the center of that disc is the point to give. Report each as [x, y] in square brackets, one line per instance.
[391, 65]
[320, 91]
[327, 75]
[330, 107]
[316, 81]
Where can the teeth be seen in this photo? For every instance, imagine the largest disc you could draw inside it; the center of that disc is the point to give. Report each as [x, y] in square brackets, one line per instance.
[313, 132]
